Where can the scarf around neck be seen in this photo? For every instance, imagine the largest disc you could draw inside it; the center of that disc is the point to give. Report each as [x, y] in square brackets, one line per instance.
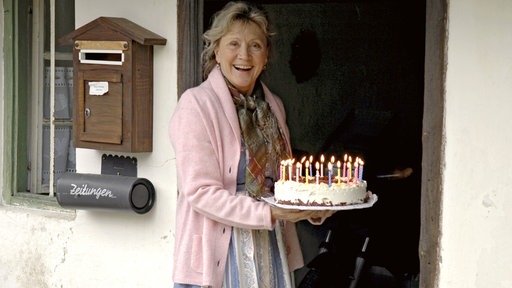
[263, 139]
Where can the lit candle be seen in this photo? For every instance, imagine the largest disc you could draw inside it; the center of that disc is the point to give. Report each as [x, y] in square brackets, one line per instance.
[361, 171]
[329, 172]
[302, 162]
[322, 159]
[317, 165]
[297, 172]
[290, 163]
[344, 165]
[281, 170]
[349, 171]
[307, 172]
[311, 166]
[356, 169]
[339, 169]
[284, 169]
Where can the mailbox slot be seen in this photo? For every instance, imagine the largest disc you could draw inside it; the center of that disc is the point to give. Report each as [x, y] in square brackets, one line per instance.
[104, 57]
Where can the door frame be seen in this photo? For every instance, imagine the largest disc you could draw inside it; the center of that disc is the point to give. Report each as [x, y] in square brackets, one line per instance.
[190, 29]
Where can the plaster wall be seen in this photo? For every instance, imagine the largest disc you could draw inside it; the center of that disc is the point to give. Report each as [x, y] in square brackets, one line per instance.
[475, 243]
[88, 248]
[117, 249]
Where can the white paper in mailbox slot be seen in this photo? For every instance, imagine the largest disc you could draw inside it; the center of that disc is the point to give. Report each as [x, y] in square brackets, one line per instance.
[98, 88]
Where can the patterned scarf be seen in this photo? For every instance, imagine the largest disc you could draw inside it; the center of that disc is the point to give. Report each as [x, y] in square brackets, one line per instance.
[263, 138]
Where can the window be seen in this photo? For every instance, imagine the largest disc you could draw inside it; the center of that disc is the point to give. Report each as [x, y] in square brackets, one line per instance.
[38, 95]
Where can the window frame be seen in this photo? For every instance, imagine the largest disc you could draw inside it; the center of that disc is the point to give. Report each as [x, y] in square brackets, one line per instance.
[19, 126]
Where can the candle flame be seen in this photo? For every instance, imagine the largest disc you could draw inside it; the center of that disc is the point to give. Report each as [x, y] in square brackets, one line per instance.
[317, 165]
[329, 166]
[303, 159]
[332, 159]
[345, 158]
[322, 158]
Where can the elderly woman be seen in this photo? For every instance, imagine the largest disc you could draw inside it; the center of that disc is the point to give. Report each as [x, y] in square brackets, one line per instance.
[229, 135]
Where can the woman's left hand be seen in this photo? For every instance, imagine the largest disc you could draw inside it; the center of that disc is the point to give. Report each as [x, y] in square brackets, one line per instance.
[294, 215]
[319, 216]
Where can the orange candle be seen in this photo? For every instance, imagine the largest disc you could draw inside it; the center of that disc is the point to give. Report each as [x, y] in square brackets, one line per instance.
[349, 171]
[281, 169]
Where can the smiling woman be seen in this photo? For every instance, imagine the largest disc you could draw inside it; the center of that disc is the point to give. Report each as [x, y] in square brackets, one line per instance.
[233, 116]
[365, 47]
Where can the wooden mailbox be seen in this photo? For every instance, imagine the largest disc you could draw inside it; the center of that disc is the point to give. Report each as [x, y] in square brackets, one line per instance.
[113, 85]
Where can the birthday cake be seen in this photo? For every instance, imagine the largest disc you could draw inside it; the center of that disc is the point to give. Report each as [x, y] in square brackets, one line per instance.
[321, 189]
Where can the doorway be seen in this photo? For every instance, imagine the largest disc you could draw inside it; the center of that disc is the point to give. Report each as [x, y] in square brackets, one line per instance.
[361, 90]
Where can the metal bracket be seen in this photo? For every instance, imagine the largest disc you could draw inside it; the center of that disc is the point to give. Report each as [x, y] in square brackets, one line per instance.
[118, 165]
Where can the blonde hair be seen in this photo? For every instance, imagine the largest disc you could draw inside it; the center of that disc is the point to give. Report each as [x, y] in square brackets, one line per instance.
[222, 21]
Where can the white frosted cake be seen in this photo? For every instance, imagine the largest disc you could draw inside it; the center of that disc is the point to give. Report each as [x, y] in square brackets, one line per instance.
[317, 189]
[312, 194]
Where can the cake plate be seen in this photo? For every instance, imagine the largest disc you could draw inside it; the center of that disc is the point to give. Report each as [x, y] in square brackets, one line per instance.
[372, 199]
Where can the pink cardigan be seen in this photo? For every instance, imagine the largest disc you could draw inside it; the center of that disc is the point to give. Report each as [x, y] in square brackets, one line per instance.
[206, 138]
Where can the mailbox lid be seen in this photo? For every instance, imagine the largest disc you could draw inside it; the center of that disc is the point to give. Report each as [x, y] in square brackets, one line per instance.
[100, 106]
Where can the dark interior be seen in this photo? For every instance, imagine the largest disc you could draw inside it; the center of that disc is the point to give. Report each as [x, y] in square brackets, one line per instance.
[351, 75]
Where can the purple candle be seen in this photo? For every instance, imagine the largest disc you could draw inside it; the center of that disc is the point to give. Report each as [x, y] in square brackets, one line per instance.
[329, 172]
[361, 171]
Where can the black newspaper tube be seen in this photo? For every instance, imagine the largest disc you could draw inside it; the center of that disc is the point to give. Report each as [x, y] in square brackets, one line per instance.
[92, 191]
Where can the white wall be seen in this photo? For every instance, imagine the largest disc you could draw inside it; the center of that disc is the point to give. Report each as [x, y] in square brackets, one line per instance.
[1, 99]
[122, 249]
[104, 248]
[477, 201]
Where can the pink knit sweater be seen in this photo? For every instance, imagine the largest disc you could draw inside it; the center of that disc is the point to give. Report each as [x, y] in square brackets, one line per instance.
[206, 138]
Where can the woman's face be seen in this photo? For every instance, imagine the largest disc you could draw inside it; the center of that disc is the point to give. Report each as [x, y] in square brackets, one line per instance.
[242, 54]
